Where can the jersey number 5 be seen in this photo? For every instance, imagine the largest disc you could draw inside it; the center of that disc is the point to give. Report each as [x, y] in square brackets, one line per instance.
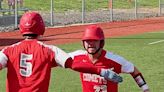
[25, 67]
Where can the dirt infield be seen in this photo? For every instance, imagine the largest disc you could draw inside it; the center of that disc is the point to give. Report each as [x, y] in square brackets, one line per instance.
[73, 33]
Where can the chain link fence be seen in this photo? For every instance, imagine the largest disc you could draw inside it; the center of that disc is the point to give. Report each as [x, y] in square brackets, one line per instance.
[66, 12]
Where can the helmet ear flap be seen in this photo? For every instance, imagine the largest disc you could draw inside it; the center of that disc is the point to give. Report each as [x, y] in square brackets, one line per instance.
[83, 44]
[102, 42]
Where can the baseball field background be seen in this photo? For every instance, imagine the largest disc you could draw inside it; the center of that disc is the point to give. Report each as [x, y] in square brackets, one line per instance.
[139, 41]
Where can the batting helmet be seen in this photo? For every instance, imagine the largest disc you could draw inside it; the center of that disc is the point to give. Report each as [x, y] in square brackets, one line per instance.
[93, 32]
[32, 23]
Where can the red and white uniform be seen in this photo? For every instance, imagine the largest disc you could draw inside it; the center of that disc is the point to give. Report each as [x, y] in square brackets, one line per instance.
[107, 60]
[29, 64]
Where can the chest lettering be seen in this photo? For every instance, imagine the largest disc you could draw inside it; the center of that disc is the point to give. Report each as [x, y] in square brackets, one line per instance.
[94, 78]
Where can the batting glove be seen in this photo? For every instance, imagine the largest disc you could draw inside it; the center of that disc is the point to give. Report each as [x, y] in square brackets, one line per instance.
[111, 75]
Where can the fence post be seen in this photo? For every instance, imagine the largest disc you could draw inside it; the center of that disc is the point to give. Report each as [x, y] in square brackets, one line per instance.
[136, 8]
[111, 9]
[16, 14]
[159, 7]
[52, 13]
[83, 11]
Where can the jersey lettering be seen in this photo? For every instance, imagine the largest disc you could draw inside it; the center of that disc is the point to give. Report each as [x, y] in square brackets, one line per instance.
[25, 67]
[94, 78]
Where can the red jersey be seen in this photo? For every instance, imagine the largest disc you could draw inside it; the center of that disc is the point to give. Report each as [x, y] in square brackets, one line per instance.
[107, 60]
[29, 64]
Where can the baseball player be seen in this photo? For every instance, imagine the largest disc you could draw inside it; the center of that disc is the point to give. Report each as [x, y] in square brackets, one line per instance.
[95, 55]
[29, 61]
[11, 4]
[20, 2]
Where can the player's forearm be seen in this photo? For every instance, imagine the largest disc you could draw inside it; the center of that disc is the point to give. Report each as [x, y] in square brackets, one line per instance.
[138, 77]
[85, 68]
[81, 66]
[89, 68]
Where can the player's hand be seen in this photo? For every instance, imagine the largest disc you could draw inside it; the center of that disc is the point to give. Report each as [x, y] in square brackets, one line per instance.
[111, 75]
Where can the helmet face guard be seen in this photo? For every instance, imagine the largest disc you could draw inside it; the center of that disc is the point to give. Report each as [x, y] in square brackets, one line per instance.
[94, 32]
[32, 23]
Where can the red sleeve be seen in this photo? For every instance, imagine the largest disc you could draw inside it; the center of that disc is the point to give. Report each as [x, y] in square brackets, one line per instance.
[84, 67]
[68, 63]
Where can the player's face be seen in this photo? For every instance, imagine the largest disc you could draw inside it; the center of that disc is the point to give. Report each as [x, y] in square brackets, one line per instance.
[91, 46]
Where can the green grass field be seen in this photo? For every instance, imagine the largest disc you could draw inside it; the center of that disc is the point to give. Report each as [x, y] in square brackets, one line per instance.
[64, 5]
[149, 58]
